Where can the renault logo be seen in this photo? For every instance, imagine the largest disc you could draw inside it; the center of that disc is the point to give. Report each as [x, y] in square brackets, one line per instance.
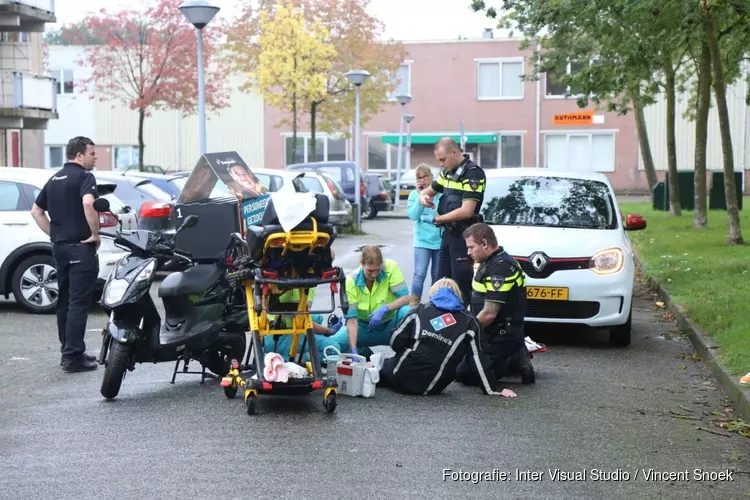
[538, 260]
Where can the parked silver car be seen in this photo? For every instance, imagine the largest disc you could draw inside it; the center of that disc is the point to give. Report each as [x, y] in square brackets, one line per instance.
[341, 210]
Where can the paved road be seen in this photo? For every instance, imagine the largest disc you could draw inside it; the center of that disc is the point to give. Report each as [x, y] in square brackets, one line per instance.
[593, 407]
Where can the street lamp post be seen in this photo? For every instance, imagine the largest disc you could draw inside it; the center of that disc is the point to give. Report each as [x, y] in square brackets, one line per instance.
[199, 13]
[403, 100]
[408, 118]
[357, 77]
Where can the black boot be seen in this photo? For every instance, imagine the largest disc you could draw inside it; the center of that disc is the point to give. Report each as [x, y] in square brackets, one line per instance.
[526, 370]
[78, 364]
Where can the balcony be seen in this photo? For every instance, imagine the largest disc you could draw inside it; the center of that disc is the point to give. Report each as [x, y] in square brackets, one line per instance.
[26, 15]
[27, 101]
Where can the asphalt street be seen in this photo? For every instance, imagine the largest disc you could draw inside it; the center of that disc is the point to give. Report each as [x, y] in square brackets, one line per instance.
[594, 408]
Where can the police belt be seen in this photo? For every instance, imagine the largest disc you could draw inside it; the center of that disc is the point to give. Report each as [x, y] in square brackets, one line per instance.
[457, 228]
[503, 328]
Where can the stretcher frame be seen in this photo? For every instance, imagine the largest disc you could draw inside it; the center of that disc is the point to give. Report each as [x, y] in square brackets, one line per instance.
[260, 285]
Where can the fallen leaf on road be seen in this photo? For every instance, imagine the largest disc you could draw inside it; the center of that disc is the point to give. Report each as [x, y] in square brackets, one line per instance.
[682, 367]
[660, 304]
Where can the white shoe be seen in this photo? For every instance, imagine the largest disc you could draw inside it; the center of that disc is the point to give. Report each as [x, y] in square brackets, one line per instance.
[531, 346]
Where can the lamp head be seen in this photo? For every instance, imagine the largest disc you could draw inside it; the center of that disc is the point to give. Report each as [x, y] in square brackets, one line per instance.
[403, 99]
[358, 76]
[198, 12]
[408, 117]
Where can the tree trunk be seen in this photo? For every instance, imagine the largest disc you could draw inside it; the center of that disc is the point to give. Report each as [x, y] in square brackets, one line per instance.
[141, 119]
[733, 213]
[640, 125]
[293, 159]
[700, 216]
[313, 150]
[674, 187]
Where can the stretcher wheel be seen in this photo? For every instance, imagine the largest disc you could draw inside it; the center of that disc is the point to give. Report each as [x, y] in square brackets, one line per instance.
[330, 402]
[230, 391]
[250, 403]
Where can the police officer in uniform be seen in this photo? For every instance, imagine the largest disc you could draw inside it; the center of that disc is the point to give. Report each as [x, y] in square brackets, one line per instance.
[462, 184]
[431, 342]
[73, 226]
[499, 301]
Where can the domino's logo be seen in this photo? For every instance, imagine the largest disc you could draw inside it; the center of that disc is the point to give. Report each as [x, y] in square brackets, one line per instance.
[443, 321]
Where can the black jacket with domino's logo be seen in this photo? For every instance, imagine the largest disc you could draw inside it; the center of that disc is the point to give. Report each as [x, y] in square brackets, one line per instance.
[431, 342]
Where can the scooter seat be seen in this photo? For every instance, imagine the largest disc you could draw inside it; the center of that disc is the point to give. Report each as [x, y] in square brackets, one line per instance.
[194, 279]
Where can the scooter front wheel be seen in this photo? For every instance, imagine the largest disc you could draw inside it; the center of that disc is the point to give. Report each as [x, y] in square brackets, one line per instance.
[114, 371]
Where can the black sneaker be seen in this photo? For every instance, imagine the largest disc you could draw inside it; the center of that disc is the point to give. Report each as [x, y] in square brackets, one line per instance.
[78, 365]
[86, 357]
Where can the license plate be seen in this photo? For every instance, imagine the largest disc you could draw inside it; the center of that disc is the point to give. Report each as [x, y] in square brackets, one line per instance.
[546, 293]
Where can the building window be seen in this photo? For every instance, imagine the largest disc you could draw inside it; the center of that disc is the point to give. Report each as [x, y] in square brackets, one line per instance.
[56, 155]
[580, 152]
[402, 81]
[554, 86]
[511, 151]
[488, 155]
[64, 80]
[124, 157]
[326, 149]
[377, 153]
[14, 37]
[500, 79]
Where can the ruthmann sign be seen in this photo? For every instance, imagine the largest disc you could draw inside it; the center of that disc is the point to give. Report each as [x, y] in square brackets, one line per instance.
[577, 118]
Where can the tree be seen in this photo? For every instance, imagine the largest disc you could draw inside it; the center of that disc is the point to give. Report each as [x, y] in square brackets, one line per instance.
[73, 34]
[719, 84]
[148, 61]
[703, 107]
[355, 36]
[293, 61]
[624, 39]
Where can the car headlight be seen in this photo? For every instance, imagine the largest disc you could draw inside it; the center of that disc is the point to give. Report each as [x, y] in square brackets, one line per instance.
[607, 261]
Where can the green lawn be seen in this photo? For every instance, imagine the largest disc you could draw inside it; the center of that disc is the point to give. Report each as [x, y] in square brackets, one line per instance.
[702, 273]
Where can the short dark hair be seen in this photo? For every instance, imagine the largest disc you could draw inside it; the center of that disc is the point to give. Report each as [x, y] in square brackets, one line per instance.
[479, 232]
[77, 145]
[447, 144]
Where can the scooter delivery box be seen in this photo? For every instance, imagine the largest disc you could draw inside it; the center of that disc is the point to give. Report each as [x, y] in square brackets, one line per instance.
[226, 196]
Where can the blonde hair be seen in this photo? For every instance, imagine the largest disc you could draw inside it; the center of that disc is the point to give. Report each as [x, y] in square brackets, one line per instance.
[446, 283]
[371, 255]
[422, 169]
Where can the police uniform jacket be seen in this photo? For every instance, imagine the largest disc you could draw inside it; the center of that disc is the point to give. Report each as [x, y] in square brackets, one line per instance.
[430, 343]
[500, 279]
[466, 182]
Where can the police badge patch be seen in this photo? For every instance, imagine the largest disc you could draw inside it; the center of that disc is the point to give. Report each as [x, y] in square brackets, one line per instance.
[497, 282]
[473, 184]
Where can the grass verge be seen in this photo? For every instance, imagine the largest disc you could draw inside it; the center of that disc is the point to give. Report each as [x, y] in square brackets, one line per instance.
[702, 273]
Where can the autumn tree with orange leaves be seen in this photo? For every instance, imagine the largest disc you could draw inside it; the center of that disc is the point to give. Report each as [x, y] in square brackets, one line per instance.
[148, 60]
[355, 36]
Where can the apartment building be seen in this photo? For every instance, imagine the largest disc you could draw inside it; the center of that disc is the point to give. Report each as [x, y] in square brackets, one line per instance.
[27, 95]
[170, 138]
[507, 122]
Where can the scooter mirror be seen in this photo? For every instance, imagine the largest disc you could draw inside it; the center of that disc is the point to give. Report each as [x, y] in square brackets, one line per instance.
[190, 221]
[101, 205]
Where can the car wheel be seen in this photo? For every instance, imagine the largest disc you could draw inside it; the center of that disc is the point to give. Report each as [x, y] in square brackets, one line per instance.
[620, 336]
[370, 212]
[34, 284]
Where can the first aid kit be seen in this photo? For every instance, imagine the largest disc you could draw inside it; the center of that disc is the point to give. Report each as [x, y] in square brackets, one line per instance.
[355, 376]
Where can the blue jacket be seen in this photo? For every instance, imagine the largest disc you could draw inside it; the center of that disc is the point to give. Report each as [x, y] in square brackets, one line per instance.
[426, 235]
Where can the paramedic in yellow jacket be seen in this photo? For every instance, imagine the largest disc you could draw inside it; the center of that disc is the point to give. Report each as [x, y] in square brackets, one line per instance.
[378, 301]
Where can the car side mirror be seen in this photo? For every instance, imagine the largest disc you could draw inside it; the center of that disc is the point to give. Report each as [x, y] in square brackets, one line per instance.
[101, 205]
[634, 222]
[126, 209]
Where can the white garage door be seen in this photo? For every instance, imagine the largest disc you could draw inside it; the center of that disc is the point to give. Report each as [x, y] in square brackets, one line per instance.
[580, 152]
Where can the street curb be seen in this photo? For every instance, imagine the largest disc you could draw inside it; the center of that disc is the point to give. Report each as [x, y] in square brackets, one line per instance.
[705, 346]
[392, 215]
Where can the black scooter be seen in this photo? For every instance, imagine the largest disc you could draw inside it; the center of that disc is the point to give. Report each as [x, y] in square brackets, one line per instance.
[205, 314]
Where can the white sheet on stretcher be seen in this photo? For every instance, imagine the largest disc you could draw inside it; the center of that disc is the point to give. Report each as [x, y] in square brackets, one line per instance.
[291, 209]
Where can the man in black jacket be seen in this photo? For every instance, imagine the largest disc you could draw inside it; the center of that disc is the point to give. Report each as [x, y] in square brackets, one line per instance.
[431, 342]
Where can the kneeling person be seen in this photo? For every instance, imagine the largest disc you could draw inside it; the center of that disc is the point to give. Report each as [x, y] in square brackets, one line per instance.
[431, 342]
[499, 302]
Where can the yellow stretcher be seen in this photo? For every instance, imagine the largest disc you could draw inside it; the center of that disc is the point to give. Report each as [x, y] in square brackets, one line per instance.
[278, 261]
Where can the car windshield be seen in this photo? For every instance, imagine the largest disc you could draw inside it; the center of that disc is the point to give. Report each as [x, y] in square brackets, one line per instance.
[548, 201]
[220, 191]
[157, 194]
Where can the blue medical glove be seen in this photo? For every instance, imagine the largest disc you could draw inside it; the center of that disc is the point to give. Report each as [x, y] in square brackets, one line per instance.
[353, 350]
[428, 218]
[377, 317]
[336, 325]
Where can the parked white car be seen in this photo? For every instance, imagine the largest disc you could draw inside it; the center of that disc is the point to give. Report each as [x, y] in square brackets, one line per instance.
[566, 231]
[27, 269]
[340, 213]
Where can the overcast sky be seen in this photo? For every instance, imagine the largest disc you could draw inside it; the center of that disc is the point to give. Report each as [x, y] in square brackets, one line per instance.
[404, 19]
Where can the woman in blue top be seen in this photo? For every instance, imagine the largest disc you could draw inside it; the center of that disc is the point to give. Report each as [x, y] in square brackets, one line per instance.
[427, 237]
